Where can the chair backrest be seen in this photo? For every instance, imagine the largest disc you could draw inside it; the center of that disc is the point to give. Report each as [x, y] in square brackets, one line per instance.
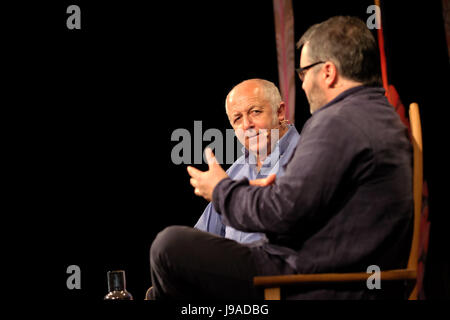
[416, 140]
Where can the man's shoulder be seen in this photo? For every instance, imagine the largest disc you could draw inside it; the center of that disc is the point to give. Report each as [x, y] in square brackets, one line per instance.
[334, 126]
[351, 112]
[294, 136]
[336, 115]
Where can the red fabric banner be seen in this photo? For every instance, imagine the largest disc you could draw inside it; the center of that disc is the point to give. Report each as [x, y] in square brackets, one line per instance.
[284, 36]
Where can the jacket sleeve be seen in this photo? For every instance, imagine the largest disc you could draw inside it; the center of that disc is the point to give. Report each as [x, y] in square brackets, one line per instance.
[331, 155]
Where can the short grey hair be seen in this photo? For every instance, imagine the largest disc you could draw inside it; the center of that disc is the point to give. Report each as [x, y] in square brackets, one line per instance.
[348, 43]
[270, 90]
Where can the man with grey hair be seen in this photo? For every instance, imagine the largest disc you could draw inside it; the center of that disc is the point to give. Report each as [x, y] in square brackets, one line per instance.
[256, 113]
[343, 204]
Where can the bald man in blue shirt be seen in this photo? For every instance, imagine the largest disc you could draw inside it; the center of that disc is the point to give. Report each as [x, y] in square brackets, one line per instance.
[254, 106]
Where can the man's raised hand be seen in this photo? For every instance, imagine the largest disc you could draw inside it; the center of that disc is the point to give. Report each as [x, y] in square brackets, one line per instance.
[205, 182]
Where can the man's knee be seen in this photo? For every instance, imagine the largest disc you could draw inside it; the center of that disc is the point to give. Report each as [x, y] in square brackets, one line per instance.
[167, 242]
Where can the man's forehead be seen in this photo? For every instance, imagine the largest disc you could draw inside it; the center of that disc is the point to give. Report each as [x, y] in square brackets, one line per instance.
[304, 53]
[244, 93]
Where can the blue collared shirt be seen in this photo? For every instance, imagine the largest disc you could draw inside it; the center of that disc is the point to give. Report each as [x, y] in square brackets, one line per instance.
[245, 167]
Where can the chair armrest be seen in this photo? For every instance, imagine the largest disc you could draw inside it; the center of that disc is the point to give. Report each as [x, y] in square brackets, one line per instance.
[280, 280]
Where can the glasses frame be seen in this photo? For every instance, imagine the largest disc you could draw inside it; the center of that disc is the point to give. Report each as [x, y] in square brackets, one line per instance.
[302, 71]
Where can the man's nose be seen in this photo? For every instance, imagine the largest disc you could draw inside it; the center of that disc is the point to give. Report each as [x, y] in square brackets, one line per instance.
[247, 123]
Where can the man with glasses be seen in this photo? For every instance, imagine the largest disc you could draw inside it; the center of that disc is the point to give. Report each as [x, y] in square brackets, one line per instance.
[344, 203]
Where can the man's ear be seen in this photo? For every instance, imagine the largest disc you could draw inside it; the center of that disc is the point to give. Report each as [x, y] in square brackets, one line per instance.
[330, 74]
[281, 111]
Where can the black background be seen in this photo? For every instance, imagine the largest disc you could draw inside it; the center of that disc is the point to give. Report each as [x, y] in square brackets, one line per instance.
[104, 101]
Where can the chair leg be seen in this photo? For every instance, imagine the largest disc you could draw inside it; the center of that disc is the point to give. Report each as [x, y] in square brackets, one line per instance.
[272, 293]
[414, 293]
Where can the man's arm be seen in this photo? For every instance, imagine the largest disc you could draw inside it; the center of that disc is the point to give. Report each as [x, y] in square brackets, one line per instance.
[330, 152]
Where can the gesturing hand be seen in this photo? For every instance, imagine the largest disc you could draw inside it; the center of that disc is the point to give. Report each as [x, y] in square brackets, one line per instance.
[264, 182]
[205, 182]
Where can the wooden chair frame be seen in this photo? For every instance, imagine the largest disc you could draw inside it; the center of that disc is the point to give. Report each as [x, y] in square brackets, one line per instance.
[273, 284]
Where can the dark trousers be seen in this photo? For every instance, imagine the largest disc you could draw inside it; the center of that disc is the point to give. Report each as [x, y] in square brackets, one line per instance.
[187, 263]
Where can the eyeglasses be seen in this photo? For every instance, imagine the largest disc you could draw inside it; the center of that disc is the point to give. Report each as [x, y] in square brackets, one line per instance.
[302, 71]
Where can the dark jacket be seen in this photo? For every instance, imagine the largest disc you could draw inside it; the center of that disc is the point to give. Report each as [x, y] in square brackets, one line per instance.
[345, 202]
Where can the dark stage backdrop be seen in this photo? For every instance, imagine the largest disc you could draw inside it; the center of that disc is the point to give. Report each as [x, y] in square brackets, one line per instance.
[109, 96]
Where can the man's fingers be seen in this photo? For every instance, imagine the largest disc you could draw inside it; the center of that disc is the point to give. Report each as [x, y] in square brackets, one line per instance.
[256, 182]
[263, 182]
[210, 158]
[271, 179]
[205, 182]
[193, 172]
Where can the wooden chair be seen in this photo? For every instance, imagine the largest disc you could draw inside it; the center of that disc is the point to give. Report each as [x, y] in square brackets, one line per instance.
[272, 284]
